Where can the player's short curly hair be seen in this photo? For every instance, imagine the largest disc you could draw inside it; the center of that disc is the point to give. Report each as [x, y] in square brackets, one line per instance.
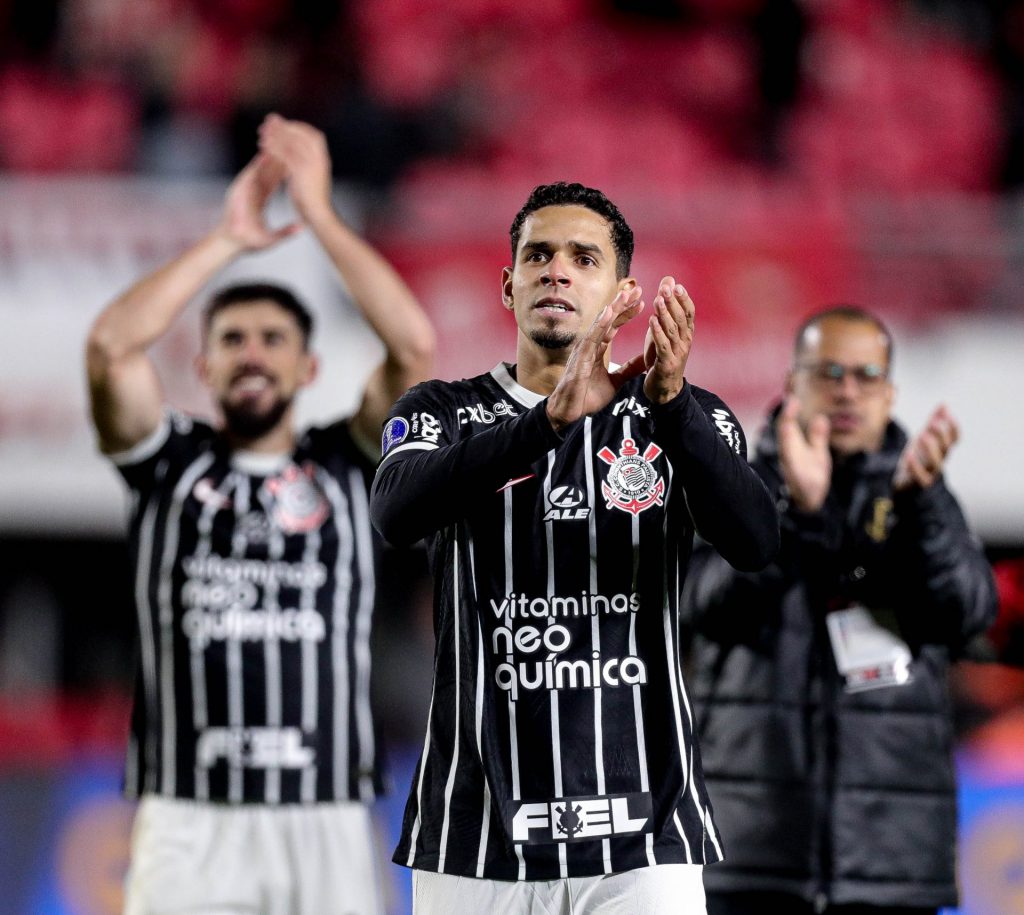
[242, 293]
[563, 193]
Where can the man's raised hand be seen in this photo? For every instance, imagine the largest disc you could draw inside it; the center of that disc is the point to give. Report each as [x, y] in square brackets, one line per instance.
[923, 458]
[301, 150]
[244, 221]
[668, 342]
[804, 457]
[587, 385]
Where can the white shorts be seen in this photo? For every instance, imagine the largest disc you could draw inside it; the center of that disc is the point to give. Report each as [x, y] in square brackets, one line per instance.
[209, 859]
[664, 888]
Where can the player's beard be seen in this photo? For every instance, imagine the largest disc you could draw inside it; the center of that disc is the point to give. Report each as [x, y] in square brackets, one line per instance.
[247, 424]
[551, 338]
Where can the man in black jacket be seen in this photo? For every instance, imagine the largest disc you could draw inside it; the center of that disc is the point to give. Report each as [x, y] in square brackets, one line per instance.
[820, 683]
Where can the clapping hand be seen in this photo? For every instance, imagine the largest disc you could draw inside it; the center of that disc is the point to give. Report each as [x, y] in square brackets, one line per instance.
[244, 221]
[922, 460]
[669, 338]
[587, 384]
[804, 457]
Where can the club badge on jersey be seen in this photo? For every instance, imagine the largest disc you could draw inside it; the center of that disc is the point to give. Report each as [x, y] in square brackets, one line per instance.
[300, 505]
[632, 484]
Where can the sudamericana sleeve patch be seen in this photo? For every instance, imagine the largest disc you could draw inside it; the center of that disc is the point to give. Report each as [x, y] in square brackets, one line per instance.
[395, 432]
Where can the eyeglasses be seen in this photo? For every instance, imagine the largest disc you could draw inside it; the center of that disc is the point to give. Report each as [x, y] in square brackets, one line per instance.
[869, 377]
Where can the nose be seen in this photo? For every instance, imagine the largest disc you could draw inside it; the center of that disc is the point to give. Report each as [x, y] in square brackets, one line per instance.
[253, 352]
[848, 387]
[555, 274]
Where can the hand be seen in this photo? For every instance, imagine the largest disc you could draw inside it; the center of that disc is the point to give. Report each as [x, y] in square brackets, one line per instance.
[586, 384]
[244, 220]
[805, 459]
[668, 342]
[921, 462]
[301, 150]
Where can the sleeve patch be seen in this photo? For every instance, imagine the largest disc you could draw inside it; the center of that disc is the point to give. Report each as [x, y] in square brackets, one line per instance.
[727, 428]
[426, 428]
[395, 432]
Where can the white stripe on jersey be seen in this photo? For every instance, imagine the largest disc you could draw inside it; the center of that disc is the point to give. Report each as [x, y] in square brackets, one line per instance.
[364, 619]
[556, 736]
[233, 647]
[147, 642]
[415, 831]
[197, 654]
[595, 624]
[702, 811]
[339, 639]
[638, 708]
[682, 835]
[513, 736]
[272, 649]
[479, 711]
[168, 781]
[450, 784]
[310, 669]
[673, 675]
[409, 446]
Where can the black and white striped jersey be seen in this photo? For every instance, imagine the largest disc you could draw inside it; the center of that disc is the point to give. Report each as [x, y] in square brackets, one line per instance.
[254, 589]
[560, 736]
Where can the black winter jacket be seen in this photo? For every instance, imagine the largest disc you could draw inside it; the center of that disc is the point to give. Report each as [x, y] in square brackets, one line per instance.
[821, 793]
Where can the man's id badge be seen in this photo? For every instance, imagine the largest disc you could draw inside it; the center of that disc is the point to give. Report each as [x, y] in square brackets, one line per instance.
[869, 656]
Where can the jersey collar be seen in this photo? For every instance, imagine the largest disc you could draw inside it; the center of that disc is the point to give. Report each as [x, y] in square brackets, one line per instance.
[501, 374]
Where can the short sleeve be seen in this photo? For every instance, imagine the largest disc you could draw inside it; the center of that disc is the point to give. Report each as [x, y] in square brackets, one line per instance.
[175, 439]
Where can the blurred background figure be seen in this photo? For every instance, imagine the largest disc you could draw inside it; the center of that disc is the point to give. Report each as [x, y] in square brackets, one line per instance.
[784, 153]
[253, 565]
[820, 684]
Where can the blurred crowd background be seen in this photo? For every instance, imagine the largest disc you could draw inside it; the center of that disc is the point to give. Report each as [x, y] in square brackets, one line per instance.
[775, 155]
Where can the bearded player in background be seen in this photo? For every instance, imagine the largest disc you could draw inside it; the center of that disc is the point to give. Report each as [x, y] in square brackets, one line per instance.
[252, 747]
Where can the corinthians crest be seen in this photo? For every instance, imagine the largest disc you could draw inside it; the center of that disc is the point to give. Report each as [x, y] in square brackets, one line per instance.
[300, 505]
[632, 484]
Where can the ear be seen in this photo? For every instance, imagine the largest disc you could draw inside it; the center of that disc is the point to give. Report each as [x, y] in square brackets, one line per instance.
[202, 368]
[310, 369]
[506, 288]
[628, 283]
[789, 387]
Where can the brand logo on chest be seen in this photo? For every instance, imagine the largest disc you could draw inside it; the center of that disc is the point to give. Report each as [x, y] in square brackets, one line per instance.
[568, 503]
[632, 484]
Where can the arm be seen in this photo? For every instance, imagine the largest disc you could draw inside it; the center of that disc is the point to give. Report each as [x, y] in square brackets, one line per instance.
[381, 295]
[124, 390]
[954, 572]
[730, 505]
[423, 487]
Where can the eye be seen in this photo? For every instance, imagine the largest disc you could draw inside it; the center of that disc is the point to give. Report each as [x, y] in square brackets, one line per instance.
[232, 338]
[273, 338]
[535, 257]
[586, 260]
